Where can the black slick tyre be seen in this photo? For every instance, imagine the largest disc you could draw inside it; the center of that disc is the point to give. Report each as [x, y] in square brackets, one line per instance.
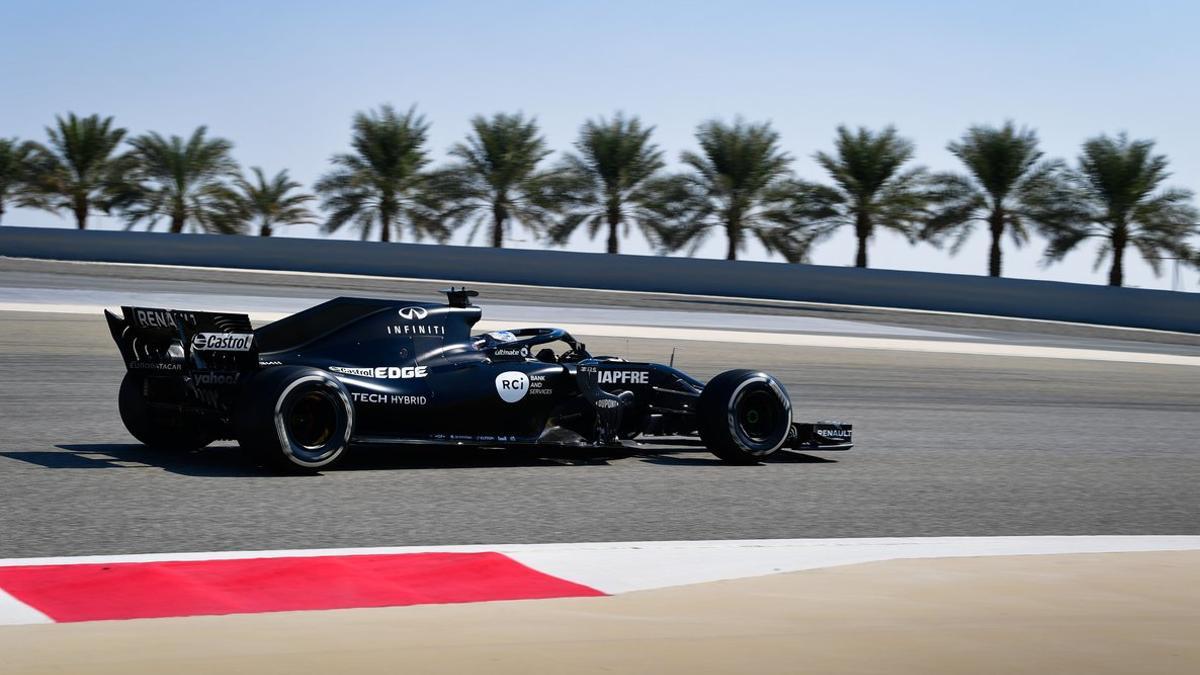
[295, 418]
[744, 416]
[157, 430]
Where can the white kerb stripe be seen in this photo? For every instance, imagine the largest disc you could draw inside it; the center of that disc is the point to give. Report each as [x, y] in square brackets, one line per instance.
[13, 612]
[638, 567]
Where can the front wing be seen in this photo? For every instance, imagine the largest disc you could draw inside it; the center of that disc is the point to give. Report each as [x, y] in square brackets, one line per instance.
[823, 436]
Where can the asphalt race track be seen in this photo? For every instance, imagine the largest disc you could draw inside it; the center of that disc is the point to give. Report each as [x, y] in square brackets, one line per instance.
[947, 444]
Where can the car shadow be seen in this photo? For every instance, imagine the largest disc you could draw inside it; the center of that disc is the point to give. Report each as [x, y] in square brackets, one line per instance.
[463, 457]
[214, 461]
[230, 461]
[227, 460]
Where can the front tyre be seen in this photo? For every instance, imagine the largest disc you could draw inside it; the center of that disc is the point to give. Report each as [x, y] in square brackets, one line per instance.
[295, 417]
[745, 416]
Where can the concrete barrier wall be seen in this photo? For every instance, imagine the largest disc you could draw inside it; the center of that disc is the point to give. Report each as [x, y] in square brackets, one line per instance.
[1164, 310]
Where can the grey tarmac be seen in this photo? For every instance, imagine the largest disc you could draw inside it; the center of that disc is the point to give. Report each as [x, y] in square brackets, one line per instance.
[948, 445]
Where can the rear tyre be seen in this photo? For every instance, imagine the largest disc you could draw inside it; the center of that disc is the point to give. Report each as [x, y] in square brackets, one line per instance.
[745, 416]
[157, 430]
[295, 418]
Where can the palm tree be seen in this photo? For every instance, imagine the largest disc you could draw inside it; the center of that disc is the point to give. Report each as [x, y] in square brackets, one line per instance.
[739, 182]
[1119, 183]
[610, 180]
[382, 182]
[1007, 186]
[270, 202]
[15, 169]
[183, 181]
[496, 180]
[79, 171]
[870, 187]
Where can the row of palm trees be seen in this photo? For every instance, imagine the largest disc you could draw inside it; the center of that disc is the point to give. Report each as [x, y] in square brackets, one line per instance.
[88, 165]
[739, 182]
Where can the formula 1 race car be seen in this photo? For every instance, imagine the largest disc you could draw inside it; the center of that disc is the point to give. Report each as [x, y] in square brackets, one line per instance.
[357, 371]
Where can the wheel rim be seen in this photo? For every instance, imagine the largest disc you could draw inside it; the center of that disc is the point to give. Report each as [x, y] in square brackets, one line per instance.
[312, 421]
[757, 414]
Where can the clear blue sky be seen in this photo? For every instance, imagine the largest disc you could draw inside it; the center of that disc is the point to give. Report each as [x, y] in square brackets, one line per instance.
[282, 80]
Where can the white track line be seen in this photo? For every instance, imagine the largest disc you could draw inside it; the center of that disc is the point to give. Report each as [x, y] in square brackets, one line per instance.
[763, 338]
[55, 308]
[632, 566]
[885, 344]
[75, 308]
[459, 282]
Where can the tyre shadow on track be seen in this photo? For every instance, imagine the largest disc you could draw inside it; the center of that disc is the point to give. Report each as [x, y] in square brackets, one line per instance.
[780, 458]
[229, 461]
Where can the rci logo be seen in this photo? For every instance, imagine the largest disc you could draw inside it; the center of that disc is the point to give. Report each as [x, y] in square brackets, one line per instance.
[413, 313]
[512, 385]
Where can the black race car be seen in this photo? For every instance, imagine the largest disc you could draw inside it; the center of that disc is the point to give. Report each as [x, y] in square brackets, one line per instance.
[357, 371]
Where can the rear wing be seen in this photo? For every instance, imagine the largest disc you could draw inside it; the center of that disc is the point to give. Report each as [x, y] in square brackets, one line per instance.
[167, 341]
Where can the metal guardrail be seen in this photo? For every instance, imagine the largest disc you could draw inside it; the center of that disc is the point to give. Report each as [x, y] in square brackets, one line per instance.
[1083, 303]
